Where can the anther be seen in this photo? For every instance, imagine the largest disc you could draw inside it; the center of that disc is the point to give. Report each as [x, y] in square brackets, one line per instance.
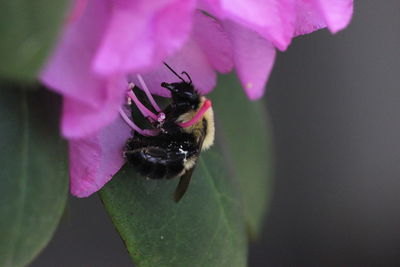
[161, 117]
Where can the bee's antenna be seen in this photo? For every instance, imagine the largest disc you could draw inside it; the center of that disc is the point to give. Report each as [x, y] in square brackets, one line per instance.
[177, 75]
[187, 75]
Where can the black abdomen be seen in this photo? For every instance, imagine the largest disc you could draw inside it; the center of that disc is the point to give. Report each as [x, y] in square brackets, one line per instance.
[154, 167]
[160, 157]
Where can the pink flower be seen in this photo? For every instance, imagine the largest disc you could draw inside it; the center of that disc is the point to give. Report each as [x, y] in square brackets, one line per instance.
[107, 42]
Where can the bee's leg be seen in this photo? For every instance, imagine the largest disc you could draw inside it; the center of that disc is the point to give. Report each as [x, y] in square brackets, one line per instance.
[145, 132]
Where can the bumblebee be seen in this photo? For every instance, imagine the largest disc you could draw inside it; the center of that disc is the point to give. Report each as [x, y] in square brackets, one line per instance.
[187, 129]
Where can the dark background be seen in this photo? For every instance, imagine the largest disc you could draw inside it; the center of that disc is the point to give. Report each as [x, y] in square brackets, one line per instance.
[334, 107]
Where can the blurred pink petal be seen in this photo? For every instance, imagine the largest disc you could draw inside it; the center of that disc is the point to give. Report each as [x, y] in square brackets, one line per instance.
[316, 14]
[270, 18]
[214, 42]
[141, 33]
[90, 101]
[80, 119]
[254, 57]
[172, 26]
[212, 7]
[77, 10]
[309, 17]
[68, 71]
[95, 159]
[337, 13]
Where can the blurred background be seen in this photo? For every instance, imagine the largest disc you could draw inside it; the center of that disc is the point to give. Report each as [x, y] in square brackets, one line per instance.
[334, 108]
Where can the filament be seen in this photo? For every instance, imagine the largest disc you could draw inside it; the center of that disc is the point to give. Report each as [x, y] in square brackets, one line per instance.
[148, 94]
[146, 132]
[142, 108]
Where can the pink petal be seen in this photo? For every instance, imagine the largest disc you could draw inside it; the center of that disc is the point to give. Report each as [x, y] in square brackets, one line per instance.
[190, 59]
[172, 26]
[95, 159]
[214, 42]
[254, 57]
[308, 17]
[316, 14]
[80, 119]
[142, 33]
[337, 13]
[90, 101]
[271, 18]
[213, 7]
[264, 14]
[127, 44]
[68, 71]
[77, 10]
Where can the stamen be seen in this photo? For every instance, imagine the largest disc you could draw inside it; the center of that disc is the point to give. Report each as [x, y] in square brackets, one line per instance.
[161, 117]
[149, 96]
[79, 7]
[207, 104]
[145, 111]
[145, 132]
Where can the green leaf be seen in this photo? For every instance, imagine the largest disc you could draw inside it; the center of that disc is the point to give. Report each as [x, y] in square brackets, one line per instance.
[226, 197]
[28, 30]
[204, 229]
[243, 127]
[33, 178]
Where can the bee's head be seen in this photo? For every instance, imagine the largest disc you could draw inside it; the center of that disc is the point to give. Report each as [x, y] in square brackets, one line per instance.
[183, 94]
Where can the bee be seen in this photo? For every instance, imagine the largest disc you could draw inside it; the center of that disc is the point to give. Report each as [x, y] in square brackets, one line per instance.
[188, 129]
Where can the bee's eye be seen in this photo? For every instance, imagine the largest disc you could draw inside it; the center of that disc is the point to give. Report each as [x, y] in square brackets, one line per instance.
[170, 86]
[188, 95]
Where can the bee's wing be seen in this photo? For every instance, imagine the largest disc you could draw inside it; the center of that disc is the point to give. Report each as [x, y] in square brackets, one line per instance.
[183, 184]
[186, 177]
